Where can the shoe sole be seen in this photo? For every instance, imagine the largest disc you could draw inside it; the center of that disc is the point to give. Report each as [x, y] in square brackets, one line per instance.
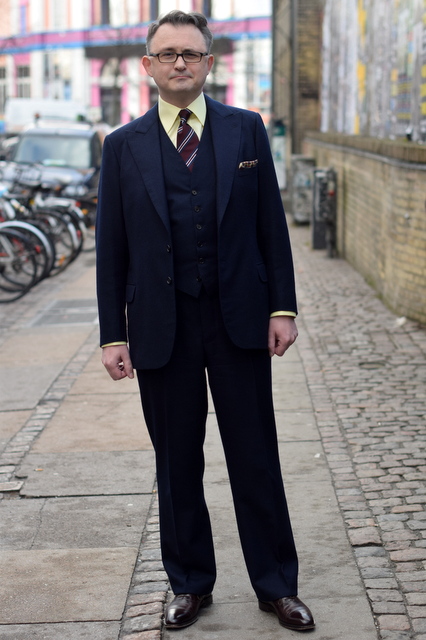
[264, 606]
[204, 603]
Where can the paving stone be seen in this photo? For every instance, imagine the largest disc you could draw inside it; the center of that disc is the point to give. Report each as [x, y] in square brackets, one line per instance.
[146, 598]
[406, 566]
[394, 622]
[148, 587]
[144, 635]
[386, 634]
[64, 585]
[416, 598]
[419, 625]
[388, 608]
[369, 551]
[416, 611]
[10, 486]
[408, 554]
[364, 536]
[70, 631]
[145, 609]
[385, 595]
[373, 561]
[150, 576]
[414, 585]
[143, 623]
[87, 473]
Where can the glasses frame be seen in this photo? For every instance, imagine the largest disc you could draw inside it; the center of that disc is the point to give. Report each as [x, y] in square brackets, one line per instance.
[178, 55]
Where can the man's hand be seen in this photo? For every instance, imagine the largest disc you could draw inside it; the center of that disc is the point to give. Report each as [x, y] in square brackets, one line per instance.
[282, 333]
[116, 360]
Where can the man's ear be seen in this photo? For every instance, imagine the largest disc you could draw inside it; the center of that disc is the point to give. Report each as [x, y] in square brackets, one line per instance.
[146, 63]
[210, 62]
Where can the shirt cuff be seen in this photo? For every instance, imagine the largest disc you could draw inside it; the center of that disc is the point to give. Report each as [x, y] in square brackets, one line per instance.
[292, 314]
[113, 344]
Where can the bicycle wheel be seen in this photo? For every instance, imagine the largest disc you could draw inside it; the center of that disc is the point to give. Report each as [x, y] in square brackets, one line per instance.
[44, 249]
[18, 267]
[63, 236]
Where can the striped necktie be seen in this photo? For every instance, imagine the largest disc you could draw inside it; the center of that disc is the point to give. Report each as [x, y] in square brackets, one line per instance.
[187, 139]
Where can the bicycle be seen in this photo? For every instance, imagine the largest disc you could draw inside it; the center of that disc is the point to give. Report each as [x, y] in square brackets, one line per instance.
[18, 266]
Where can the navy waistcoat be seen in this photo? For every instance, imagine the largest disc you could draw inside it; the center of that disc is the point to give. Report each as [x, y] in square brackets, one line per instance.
[191, 197]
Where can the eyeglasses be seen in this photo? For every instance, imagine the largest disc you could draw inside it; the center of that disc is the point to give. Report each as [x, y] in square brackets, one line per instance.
[188, 56]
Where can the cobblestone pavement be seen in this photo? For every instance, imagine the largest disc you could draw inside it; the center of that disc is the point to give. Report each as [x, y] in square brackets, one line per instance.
[366, 371]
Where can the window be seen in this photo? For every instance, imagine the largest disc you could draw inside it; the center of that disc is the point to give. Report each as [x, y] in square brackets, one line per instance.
[23, 82]
[23, 19]
[104, 11]
[54, 151]
[3, 88]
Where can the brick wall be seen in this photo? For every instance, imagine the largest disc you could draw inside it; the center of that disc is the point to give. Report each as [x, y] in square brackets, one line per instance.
[381, 218]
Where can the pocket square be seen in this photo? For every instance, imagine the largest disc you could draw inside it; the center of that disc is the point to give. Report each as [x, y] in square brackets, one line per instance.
[248, 164]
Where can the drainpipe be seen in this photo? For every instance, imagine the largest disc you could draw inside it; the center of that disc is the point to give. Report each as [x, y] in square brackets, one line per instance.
[294, 83]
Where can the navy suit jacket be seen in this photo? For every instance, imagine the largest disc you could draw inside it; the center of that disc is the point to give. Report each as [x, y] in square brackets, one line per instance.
[135, 281]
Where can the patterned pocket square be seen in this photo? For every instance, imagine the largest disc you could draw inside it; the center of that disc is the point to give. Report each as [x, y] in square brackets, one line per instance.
[248, 164]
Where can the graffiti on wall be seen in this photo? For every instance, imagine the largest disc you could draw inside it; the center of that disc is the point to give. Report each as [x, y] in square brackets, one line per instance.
[374, 68]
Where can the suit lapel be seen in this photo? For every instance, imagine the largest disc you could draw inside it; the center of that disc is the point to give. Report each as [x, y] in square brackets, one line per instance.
[226, 132]
[145, 147]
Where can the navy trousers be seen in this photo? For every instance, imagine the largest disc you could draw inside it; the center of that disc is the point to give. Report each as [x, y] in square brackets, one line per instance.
[174, 400]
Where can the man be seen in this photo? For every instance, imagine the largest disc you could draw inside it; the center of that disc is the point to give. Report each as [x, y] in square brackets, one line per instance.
[195, 272]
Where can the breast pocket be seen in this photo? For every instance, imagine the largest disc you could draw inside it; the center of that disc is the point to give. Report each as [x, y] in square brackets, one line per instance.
[248, 173]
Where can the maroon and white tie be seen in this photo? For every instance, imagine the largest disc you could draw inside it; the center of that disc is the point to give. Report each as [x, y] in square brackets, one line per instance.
[187, 139]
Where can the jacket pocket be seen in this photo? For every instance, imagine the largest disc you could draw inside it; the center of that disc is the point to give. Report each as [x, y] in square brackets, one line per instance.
[130, 292]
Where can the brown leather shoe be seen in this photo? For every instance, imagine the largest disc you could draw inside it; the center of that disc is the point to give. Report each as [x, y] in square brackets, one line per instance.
[291, 612]
[183, 610]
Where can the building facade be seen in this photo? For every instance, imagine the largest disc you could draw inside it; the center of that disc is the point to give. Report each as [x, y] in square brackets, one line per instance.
[89, 51]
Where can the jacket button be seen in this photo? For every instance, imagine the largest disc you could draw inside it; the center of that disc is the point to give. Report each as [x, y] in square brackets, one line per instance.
[169, 280]
[201, 260]
[168, 248]
[197, 209]
[194, 193]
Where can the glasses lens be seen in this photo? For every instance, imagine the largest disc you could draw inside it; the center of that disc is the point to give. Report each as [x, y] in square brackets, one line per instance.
[190, 56]
[167, 57]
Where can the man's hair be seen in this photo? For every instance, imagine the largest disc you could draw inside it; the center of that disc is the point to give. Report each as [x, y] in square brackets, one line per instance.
[180, 18]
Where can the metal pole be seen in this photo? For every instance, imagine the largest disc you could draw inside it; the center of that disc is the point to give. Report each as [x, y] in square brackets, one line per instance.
[273, 44]
[294, 83]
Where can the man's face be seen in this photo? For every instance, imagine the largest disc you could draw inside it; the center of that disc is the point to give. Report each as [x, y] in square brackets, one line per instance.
[178, 83]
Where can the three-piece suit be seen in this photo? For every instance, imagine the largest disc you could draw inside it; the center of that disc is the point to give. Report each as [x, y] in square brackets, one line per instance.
[190, 266]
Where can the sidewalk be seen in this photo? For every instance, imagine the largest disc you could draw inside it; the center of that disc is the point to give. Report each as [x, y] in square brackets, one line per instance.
[79, 541]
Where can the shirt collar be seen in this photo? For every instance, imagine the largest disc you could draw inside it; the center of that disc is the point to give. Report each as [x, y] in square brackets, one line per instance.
[168, 112]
